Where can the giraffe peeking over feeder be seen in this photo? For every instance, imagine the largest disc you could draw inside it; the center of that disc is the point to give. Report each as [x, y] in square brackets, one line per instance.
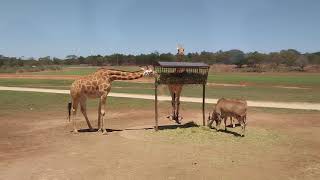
[176, 89]
[175, 75]
[98, 85]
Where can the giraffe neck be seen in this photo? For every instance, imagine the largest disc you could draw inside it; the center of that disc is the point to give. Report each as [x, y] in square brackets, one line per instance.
[122, 75]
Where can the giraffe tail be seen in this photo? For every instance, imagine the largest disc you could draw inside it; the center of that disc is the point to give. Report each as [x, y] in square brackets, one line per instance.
[69, 110]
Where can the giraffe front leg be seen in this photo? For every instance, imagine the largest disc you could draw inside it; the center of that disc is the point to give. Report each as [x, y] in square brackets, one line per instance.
[74, 114]
[99, 116]
[103, 113]
[171, 116]
[179, 118]
[173, 103]
[84, 112]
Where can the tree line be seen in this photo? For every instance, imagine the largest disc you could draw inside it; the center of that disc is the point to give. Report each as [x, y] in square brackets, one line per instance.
[289, 58]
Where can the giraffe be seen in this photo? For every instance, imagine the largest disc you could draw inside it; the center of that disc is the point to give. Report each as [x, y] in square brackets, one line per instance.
[98, 85]
[175, 90]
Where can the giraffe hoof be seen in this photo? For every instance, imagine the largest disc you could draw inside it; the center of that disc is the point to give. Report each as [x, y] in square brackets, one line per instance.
[104, 132]
[178, 119]
[75, 131]
[178, 122]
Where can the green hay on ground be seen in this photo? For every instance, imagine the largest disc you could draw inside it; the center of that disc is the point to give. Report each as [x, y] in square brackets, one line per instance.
[205, 135]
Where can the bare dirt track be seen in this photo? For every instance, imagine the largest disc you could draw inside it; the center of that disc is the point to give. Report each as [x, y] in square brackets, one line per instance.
[41, 146]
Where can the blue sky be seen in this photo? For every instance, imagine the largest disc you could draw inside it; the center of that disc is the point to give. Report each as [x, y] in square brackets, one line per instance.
[83, 27]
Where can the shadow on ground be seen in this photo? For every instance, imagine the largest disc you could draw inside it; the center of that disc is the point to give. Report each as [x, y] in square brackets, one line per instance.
[162, 127]
[175, 126]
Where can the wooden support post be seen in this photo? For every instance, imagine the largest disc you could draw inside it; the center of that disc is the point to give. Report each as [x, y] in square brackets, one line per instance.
[203, 104]
[156, 105]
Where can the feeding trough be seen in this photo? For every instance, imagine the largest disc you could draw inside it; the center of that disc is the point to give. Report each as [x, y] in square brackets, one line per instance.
[180, 73]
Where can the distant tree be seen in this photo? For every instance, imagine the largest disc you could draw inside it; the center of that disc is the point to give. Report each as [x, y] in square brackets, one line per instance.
[302, 62]
[45, 60]
[2, 60]
[206, 57]
[167, 57]
[57, 61]
[255, 60]
[289, 56]
[193, 57]
[153, 57]
[221, 57]
[240, 62]
[71, 57]
[237, 57]
[314, 58]
[275, 58]
[82, 60]
[100, 60]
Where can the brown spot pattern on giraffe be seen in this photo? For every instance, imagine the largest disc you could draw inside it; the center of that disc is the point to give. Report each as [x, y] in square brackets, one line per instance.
[97, 85]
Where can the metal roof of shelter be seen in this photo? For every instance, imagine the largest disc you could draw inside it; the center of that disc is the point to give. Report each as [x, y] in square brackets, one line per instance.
[182, 64]
[181, 73]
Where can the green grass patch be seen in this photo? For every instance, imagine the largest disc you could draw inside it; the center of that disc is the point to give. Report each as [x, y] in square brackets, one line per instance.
[37, 83]
[31, 102]
[287, 79]
[84, 70]
[294, 79]
[29, 69]
[249, 92]
[254, 93]
[69, 71]
[17, 102]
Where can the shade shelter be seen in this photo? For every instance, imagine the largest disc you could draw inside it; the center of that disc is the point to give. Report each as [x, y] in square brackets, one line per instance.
[180, 73]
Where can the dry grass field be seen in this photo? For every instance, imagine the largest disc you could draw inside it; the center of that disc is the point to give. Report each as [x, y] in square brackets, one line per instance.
[36, 143]
[36, 140]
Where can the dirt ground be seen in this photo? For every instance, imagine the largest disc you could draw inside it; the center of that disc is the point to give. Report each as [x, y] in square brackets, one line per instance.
[41, 146]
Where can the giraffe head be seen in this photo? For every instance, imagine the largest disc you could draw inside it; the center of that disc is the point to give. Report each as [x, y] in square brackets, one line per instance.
[147, 71]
